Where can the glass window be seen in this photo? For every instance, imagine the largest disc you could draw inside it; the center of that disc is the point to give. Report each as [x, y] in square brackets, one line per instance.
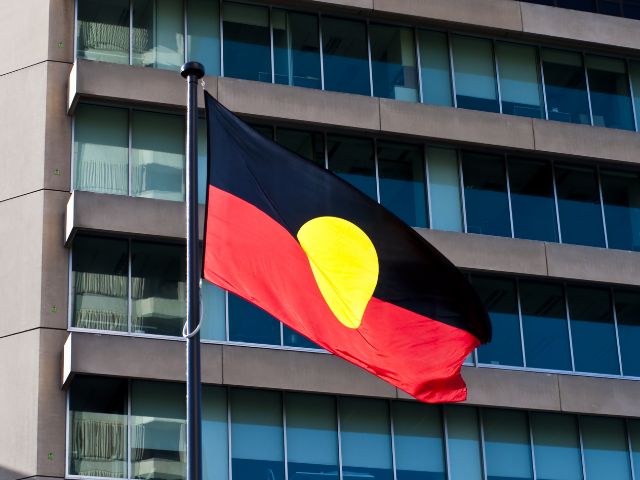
[296, 49]
[401, 175]
[544, 325]
[485, 193]
[627, 305]
[418, 437]
[532, 200]
[309, 145]
[606, 455]
[99, 283]
[203, 181]
[101, 149]
[312, 436]
[435, 68]
[621, 199]
[257, 437]
[157, 156]
[103, 30]
[345, 55]
[98, 427]
[158, 288]
[556, 446]
[499, 298]
[592, 331]
[158, 33]
[475, 74]
[353, 160]
[507, 444]
[393, 62]
[214, 313]
[609, 90]
[631, 9]
[247, 42]
[579, 206]
[291, 338]
[583, 5]
[634, 437]
[520, 84]
[203, 34]
[158, 430]
[565, 86]
[366, 438]
[465, 454]
[251, 324]
[266, 132]
[215, 437]
[612, 8]
[634, 71]
[444, 188]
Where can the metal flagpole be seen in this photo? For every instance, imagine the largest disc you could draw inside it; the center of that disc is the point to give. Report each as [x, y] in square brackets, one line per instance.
[193, 71]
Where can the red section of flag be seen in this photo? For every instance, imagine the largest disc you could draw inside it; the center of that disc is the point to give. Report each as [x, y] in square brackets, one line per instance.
[250, 254]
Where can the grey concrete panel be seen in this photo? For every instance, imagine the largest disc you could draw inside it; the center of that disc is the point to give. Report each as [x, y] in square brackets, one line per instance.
[490, 254]
[599, 396]
[591, 264]
[61, 28]
[135, 357]
[579, 26]
[20, 50]
[455, 124]
[585, 140]
[301, 371]
[316, 107]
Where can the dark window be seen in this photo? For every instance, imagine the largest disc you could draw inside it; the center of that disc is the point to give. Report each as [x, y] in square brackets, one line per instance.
[103, 30]
[353, 160]
[250, 324]
[610, 94]
[310, 145]
[621, 198]
[628, 316]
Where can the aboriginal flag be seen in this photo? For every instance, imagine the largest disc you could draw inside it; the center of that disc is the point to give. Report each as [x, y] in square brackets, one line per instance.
[334, 265]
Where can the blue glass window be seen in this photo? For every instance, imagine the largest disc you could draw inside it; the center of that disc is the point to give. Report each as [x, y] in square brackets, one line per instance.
[215, 436]
[627, 304]
[291, 338]
[158, 34]
[475, 74]
[507, 444]
[444, 188]
[435, 68]
[309, 145]
[634, 437]
[556, 446]
[606, 454]
[485, 192]
[465, 454]
[203, 34]
[520, 83]
[579, 206]
[592, 330]
[609, 91]
[621, 199]
[499, 298]
[634, 72]
[214, 312]
[353, 160]
[103, 30]
[251, 324]
[346, 57]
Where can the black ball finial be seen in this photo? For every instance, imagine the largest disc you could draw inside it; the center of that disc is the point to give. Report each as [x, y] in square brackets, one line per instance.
[192, 68]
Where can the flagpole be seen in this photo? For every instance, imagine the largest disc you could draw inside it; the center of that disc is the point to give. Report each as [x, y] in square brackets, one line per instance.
[192, 72]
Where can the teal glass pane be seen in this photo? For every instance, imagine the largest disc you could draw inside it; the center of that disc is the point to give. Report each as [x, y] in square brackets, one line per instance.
[203, 170]
[565, 86]
[103, 30]
[296, 49]
[312, 436]
[345, 56]
[158, 430]
[634, 73]
[606, 454]
[203, 34]
[444, 188]
[593, 334]
[499, 298]
[475, 74]
[99, 283]
[98, 443]
[507, 444]
[435, 68]
[247, 42]
[634, 437]
[158, 34]
[257, 436]
[544, 325]
[627, 304]
[393, 62]
[402, 182]
[532, 201]
[215, 437]
[291, 338]
[579, 206]
[520, 84]
[465, 454]
[214, 312]
[353, 160]
[101, 150]
[419, 441]
[158, 288]
[556, 446]
[621, 200]
[609, 91]
[251, 324]
[309, 145]
[485, 193]
[366, 438]
[157, 156]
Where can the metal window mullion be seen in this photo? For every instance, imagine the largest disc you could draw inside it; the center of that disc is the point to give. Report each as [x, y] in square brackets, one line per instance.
[524, 357]
[393, 443]
[229, 431]
[484, 456]
[464, 206]
[453, 73]
[418, 64]
[446, 441]
[633, 471]
[129, 289]
[273, 75]
[555, 198]
[184, 2]
[130, 32]
[321, 51]
[428, 187]
[129, 448]
[284, 435]
[375, 157]
[566, 306]
[221, 40]
[615, 326]
[604, 220]
[584, 470]
[544, 90]
[369, 54]
[226, 314]
[339, 437]
[586, 78]
[497, 70]
[533, 453]
[506, 174]
[130, 147]
[633, 100]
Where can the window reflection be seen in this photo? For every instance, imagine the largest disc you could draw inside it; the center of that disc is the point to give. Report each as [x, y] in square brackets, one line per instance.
[203, 34]
[520, 83]
[507, 444]
[465, 454]
[103, 30]
[627, 305]
[609, 91]
[621, 199]
[250, 324]
[158, 34]
[435, 68]
[556, 446]
[475, 74]
[309, 145]
[215, 437]
[606, 455]
[353, 160]
[444, 188]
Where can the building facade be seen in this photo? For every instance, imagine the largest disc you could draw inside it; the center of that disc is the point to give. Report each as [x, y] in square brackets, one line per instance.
[506, 132]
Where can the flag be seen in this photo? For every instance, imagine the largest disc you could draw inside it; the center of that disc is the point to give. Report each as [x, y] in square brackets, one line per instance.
[334, 265]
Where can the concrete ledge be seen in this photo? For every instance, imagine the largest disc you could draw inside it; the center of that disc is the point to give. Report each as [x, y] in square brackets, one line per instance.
[599, 396]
